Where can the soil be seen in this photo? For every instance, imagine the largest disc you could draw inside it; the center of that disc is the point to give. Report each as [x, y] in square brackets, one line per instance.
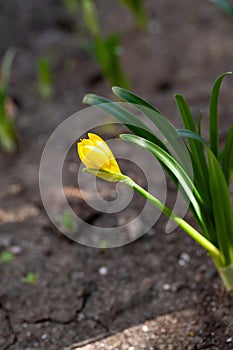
[162, 283]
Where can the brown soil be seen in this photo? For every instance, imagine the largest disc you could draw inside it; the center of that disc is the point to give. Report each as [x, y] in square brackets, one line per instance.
[184, 50]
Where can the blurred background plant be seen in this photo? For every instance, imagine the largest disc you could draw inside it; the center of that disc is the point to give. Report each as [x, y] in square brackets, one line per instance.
[106, 51]
[30, 278]
[72, 6]
[8, 132]
[45, 83]
[138, 10]
[6, 257]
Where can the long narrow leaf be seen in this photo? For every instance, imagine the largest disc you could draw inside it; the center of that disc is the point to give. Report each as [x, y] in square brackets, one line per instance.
[174, 166]
[124, 116]
[185, 112]
[213, 114]
[130, 121]
[222, 208]
[132, 98]
[191, 135]
[227, 156]
[196, 150]
[169, 132]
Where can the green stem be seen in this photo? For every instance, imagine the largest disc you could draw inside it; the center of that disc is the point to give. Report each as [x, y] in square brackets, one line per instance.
[226, 274]
[213, 251]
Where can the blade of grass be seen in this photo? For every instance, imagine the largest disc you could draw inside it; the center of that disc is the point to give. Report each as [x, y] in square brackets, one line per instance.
[227, 155]
[6, 68]
[132, 122]
[199, 123]
[175, 168]
[191, 135]
[169, 132]
[222, 208]
[124, 116]
[213, 114]
[196, 151]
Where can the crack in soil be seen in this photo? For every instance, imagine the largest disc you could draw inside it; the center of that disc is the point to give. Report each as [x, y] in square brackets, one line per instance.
[9, 326]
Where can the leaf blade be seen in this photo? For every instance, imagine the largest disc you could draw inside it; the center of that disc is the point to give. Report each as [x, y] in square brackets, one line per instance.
[213, 114]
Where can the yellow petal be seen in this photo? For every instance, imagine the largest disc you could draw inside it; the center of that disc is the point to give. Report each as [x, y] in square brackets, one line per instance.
[98, 141]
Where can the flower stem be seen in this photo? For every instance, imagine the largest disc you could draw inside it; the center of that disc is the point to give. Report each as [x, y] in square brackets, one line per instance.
[199, 238]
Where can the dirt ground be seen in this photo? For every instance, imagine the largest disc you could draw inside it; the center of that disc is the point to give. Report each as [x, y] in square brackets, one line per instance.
[164, 284]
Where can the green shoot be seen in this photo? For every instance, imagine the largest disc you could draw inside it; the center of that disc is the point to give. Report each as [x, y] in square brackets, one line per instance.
[67, 223]
[72, 6]
[30, 278]
[8, 133]
[45, 84]
[136, 6]
[106, 51]
[6, 257]
[207, 191]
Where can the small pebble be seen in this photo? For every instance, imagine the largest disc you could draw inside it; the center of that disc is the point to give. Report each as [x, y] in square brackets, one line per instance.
[44, 336]
[181, 262]
[103, 270]
[166, 286]
[229, 340]
[185, 257]
[16, 250]
[145, 328]
[131, 348]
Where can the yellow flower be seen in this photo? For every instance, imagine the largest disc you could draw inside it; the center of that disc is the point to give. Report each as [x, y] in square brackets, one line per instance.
[98, 158]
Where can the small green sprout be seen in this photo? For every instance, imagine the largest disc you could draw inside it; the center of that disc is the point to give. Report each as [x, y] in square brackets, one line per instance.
[104, 245]
[30, 278]
[6, 257]
[45, 83]
[8, 133]
[67, 223]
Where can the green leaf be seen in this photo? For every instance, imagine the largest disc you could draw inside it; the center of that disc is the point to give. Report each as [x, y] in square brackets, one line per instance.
[185, 112]
[199, 123]
[186, 183]
[225, 6]
[30, 278]
[222, 208]
[191, 135]
[90, 17]
[213, 114]
[124, 116]
[169, 133]
[6, 69]
[136, 6]
[132, 122]
[132, 98]
[227, 156]
[107, 53]
[6, 257]
[45, 81]
[196, 149]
